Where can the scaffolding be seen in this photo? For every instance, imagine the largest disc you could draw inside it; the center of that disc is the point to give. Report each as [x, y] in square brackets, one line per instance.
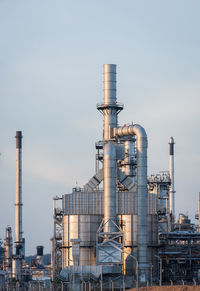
[56, 241]
[179, 256]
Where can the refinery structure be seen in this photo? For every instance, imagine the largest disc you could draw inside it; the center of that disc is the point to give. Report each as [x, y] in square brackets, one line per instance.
[120, 226]
[119, 230]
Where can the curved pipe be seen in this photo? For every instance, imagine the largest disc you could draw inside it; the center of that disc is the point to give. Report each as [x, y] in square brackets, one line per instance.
[141, 145]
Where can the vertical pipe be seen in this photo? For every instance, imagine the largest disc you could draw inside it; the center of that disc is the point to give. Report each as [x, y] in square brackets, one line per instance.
[141, 146]
[18, 204]
[110, 121]
[110, 98]
[110, 84]
[171, 171]
[109, 186]
[160, 271]
[19, 241]
[129, 154]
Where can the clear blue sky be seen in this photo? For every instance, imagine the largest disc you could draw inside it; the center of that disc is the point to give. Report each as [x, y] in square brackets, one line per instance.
[51, 63]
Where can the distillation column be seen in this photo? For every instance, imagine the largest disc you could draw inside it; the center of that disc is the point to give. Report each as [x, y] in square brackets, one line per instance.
[8, 250]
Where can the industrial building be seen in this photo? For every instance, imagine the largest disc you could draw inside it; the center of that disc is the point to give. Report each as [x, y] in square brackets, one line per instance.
[116, 232]
[120, 226]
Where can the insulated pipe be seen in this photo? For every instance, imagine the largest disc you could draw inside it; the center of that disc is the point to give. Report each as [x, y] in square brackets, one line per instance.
[110, 98]
[171, 171]
[109, 186]
[18, 204]
[141, 145]
[110, 84]
[129, 154]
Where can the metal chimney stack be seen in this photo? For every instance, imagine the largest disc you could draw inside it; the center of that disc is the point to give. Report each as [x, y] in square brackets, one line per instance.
[171, 171]
[110, 99]
[19, 240]
[18, 204]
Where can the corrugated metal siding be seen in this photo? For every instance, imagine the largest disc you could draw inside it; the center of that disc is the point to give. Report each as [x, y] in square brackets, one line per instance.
[92, 203]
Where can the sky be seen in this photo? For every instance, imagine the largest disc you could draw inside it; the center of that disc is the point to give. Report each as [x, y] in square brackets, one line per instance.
[51, 78]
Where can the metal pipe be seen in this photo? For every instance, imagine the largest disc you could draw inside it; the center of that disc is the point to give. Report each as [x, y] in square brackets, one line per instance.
[141, 146]
[110, 97]
[160, 271]
[171, 171]
[129, 154]
[110, 110]
[109, 186]
[110, 84]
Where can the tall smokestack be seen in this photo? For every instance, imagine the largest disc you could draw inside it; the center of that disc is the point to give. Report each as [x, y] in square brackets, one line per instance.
[19, 240]
[110, 99]
[171, 171]
[110, 110]
[18, 204]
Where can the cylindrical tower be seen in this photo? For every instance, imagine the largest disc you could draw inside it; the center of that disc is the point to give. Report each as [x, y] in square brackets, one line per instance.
[19, 240]
[18, 204]
[171, 170]
[110, 108]
[110, 99]
[109, 186]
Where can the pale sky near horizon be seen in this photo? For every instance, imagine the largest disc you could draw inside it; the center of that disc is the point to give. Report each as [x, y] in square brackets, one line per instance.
[51, 78]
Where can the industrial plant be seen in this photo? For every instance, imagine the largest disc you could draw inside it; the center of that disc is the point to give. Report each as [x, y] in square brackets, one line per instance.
[119, 228]
[118, 231]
